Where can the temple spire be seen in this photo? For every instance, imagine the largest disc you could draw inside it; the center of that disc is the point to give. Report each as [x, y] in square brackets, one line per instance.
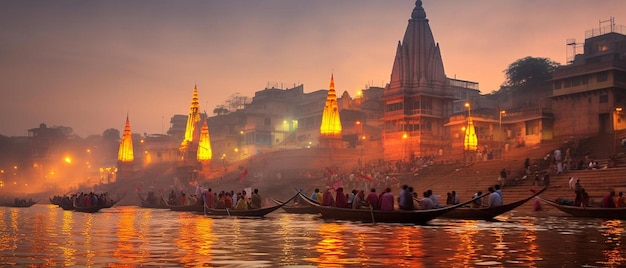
[331, 124]
[204, 145]
[192, 120]
[125, 153]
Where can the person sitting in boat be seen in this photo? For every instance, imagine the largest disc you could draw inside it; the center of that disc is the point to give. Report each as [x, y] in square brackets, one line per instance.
[209, 198]
[608, 200]
[372, 199]
[387, 200]
[478, 202]
[241, 202]
[219, 204]
[255, 200]
[495, 199]
[228, 201]
[172, 198]
[359, 200]
[620, 201]
[407, 199]
[327, 198]
[315, 195]
[433, 198]
[341, 201]
[426, 202]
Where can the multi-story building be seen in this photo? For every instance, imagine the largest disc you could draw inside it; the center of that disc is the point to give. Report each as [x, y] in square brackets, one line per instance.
[590, 93]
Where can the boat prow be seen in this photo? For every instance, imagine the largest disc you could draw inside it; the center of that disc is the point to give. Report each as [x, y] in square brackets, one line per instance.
[488, 213]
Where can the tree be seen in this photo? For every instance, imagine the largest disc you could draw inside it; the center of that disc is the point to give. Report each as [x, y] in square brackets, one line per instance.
[220, 110]
[529, 73]
[111, 135]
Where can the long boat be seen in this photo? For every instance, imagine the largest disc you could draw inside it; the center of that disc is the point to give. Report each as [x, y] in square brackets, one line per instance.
[254, 213]
[91, 209]
[300, 208]
[487, 213]
[589, 212]
[19, 203]
[374, 216]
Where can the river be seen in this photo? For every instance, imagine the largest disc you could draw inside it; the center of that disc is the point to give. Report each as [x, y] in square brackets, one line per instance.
[46, 236]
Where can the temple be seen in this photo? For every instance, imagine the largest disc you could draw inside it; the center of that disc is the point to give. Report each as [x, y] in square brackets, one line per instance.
[188, 165]
[330, 129]
[418, 99]
[125, 157]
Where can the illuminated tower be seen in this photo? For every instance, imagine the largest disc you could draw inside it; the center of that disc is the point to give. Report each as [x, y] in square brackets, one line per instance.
[191, 128]
[125, 157]
[418, 99]
[187, 168]
[204, 146]
[205, 154]
[330, 129]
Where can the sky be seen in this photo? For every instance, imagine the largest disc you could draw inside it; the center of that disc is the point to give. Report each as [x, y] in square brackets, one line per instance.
[88, 64]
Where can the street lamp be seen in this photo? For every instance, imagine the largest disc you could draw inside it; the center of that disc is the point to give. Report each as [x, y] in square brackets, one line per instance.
[616, 114]
[500, 134]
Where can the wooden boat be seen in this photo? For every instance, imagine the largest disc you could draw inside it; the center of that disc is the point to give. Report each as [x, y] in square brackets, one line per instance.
[487, 213]
[84, 209]
[255, 213]
[374, 216]
[299, 208]
[19, 203]
[588, 212]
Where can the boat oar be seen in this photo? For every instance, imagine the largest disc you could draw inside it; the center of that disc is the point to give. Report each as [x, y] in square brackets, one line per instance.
[372, 213]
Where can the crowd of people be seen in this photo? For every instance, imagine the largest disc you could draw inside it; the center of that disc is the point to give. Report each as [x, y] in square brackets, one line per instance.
[222, 200]
[407, 199]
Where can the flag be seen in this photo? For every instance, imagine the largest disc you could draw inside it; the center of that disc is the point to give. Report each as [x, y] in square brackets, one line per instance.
[243, 175]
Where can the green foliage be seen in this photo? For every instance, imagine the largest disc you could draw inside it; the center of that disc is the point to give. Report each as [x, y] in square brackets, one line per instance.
[111, 135]
[529, 72]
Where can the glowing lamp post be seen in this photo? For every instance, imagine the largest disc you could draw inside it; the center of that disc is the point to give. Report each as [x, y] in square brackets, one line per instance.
[501, 113]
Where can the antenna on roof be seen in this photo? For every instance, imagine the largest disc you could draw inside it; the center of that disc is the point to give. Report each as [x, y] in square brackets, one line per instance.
[570, 53]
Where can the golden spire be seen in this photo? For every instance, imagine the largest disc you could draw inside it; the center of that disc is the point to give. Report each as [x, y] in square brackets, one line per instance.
[331, 124]
[125, 153]
[204, 146]
[192, 120]
[470, 141]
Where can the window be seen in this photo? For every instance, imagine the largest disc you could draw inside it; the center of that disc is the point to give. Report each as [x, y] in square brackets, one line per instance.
[604, 98]
[557, 84]
[567, 83]
[603, 76]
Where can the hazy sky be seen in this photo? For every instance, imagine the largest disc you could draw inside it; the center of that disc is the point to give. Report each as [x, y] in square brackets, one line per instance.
[86, 64]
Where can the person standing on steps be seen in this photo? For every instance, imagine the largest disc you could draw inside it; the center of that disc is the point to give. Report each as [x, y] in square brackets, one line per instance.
[502, 177]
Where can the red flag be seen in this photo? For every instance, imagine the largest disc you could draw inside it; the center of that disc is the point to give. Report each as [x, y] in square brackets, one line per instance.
[243, 175]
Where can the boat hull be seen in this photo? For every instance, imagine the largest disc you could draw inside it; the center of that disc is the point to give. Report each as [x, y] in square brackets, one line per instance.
[487, 213]
[589, 212]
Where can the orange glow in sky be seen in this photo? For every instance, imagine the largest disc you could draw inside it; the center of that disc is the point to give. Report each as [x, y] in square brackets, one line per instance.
[87, 64]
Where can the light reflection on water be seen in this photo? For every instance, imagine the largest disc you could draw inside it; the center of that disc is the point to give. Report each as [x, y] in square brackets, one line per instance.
[45, 235]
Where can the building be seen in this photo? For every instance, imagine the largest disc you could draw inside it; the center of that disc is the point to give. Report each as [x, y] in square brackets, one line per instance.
[418, 99]
[590, 93]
